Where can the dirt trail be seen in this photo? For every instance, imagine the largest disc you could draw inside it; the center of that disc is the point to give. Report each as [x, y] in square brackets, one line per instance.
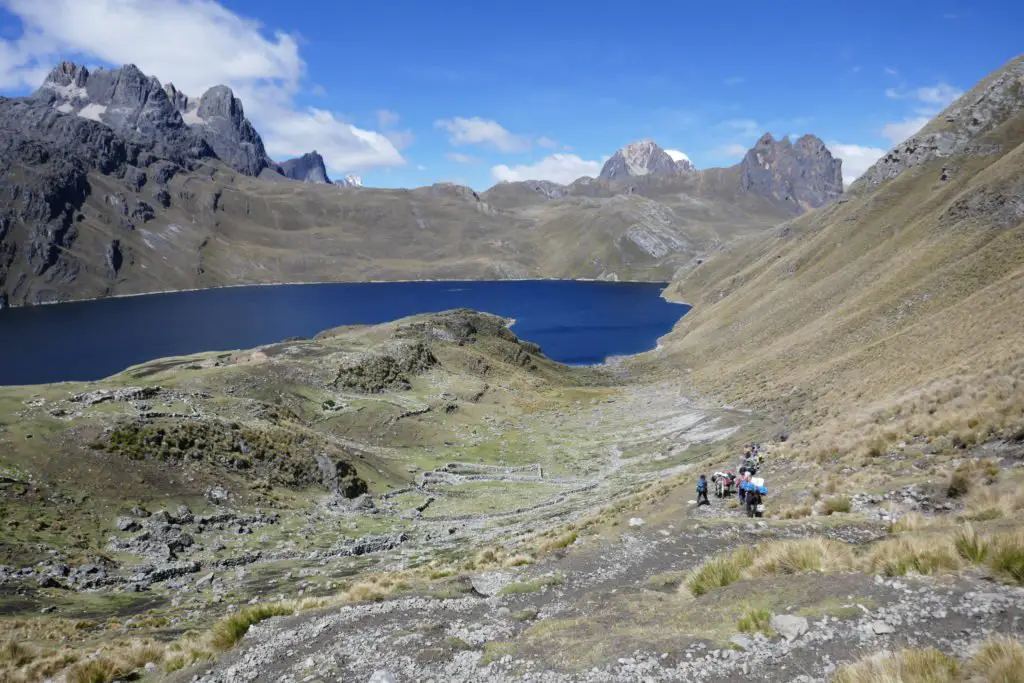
[607, 610]
[608, 621]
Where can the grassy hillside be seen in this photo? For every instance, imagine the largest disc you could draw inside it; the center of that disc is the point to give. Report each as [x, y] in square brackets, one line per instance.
[223, 228]
[894, 312]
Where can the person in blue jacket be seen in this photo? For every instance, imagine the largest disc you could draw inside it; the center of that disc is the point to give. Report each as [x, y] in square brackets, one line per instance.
[702, 491]
[753, 498]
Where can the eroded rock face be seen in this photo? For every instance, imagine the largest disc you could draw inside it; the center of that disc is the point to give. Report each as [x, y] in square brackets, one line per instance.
[223, 125]
[308, 168]
[954, 131]
[803, 174]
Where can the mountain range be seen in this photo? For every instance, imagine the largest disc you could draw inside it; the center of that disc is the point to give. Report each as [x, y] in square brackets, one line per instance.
[116, 184]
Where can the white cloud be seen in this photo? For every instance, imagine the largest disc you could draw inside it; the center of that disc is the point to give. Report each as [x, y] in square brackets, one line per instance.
[889, 71]
[476, 131]
[400, 138]
[856, 159]
[558, 168]
[387, 118]
[746, 128]
[730, 151]
[546, 142]
[933, 98]
[676, 155]
[899, 131]
[461, 158]
[941, 94]
[195, 44]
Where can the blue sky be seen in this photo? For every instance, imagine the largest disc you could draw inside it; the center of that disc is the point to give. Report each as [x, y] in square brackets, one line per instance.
[408, 93]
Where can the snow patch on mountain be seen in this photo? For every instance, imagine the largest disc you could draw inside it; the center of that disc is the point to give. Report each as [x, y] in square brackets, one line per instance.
[93, 112]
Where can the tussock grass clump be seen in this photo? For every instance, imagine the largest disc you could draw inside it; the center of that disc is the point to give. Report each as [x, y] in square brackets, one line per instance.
[912, 521]
[772, 558]
[1000, 660]
[801, 556]
[228, 631]
[837, 504]
[563, 541]
[14, 654]
[502, 557]
[719, 571]
[518, 560]
[795, 512]
[970, 545]
[916, 554]
[365, 591]
[1006, 557]
[906, 666]
[755, 620]
[989, 503]
[959, 483]
[116, 663]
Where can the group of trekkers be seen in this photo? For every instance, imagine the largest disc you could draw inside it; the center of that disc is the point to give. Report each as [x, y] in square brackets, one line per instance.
[750, 489]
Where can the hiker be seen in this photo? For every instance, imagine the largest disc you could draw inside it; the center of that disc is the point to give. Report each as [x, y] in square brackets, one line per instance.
[754, 499]
[743, 488]
[702, 491]
[749, 465]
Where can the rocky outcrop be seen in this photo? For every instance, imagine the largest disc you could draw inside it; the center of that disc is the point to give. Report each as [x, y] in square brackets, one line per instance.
[546, 188]
[308, 168]
[219, 119]
[45, 157]
[139, 109]
[128, 102]
[643, 158]
[803, 175]
[991, 103]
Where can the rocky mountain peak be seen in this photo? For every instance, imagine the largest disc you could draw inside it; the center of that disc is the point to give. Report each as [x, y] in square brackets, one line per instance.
[803, 174]
[218, 117]
[177, 98]
[642, 158]
[308, 168]
[220, 100]
[140, 109]
[350, 180]
[67, 74]
[133, 105]
[995, 100]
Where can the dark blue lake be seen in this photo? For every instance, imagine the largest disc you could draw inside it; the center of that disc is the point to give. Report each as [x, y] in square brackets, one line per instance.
[580, 323]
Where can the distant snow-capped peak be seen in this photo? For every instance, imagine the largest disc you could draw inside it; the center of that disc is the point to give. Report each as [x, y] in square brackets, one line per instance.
[642, 158]
[351, 180]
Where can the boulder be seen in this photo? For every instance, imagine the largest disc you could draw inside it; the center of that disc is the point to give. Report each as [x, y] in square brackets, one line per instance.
[788, 626]
[880, 628]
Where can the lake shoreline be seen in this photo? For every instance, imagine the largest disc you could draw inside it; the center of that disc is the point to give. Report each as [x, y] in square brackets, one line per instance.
[575, 322]
[348, 282]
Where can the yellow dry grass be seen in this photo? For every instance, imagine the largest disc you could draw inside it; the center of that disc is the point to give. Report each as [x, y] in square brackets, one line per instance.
[887, 321]
[998, 660]
[935, 551]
